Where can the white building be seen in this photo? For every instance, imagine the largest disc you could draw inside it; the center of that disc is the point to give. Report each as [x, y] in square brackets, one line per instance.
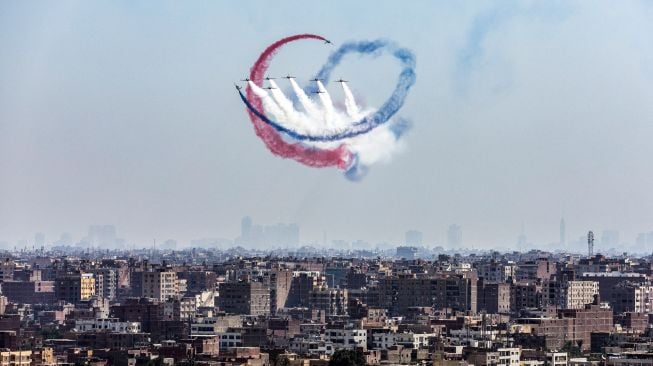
[310, 346]
[509, 356]
[107, 325]
[347, 338]
[407, 340]
[576, 294]
[557, 358]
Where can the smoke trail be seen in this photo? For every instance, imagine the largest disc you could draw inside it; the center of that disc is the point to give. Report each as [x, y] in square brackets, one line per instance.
[268, 103]
[383, 114]
[327, 103]
[350, 102]
[327, 137]
[282, 101]
[338, 156]
[304, 100]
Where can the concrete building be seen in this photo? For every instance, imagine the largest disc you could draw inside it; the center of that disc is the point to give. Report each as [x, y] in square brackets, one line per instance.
[349, 338]
[7, 268]
[105, 282]
[160, 284]
[524, 296]
[446, 291]
[509, 356]
[609, 280]
[107, 325]
[576, 294]
[631, 297]
[535, 271]
[494, 298]
[75, 287]
[495, 271]
[29, 292]
[331, 301]
[568, 325]
[245, 297]
[15, 358]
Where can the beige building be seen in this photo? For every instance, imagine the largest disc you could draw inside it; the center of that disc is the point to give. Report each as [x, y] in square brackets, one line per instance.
[87, 286]
[160, 285]
[577, 294]
[43, 357]
[15, 358]
[7, 267]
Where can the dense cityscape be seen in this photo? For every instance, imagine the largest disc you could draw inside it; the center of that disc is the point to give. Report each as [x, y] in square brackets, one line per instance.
[306, 306]
[326, 183]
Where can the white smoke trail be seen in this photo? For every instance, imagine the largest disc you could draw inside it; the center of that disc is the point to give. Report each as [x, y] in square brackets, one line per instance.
[378, 145]
[306, 103]
[280, 98]
[350, 102]
[327, 104]
[268, 103]
[295, 119]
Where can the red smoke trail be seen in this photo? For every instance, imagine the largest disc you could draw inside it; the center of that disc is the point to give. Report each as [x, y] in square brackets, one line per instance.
[339, 157]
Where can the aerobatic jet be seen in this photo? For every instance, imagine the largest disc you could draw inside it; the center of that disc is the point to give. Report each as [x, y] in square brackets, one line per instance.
[340, 81]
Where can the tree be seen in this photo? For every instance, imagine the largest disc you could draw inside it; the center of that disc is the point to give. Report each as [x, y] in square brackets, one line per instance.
[282, 361]
[573, 349]
[347, 357]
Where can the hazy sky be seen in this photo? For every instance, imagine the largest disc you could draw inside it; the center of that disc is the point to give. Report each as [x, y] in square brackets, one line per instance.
[523, 112]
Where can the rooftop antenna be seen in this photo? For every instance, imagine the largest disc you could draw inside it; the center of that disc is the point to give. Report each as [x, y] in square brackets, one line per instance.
[590, 244]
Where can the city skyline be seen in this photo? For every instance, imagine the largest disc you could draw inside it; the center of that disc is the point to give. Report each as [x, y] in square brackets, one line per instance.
[253, 234]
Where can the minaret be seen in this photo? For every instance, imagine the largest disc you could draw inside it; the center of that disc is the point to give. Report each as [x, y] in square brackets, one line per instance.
[590, 244]
[563, 232]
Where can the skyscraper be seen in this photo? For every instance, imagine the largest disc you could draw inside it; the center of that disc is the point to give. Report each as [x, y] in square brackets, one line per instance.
[563, 232]
[455, 236]
[413, 238]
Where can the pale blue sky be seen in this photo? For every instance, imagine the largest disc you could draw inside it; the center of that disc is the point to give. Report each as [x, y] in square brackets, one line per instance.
[125, 113]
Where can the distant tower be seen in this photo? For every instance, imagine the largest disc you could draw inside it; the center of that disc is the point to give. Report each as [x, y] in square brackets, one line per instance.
[522, 239]
[563, 232]
[590, 243]
[413, 238]
[246, 228]
[455, 236]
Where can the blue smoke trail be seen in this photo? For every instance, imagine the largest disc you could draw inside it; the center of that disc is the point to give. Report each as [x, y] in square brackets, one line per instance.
[382, 115]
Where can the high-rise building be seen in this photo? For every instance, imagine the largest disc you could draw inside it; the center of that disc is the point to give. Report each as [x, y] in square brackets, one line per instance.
[246, 227]
[576, 294]
[105, 282]
[279, 234]
[331, 300]
[103, 236]
[455, 236]
[74, 287]
[160, 284]
[246, 297]
[7, 268]
[413, 238]
[39, 240]
[452, 291]
[563, 232]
